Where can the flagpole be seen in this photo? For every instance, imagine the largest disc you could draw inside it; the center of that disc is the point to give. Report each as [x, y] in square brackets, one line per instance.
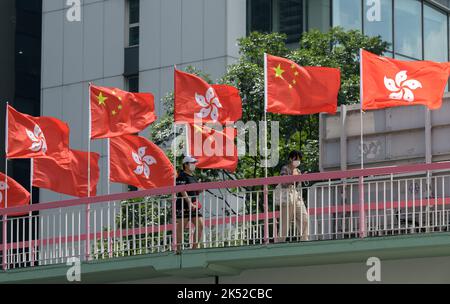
[6, 156]
[108, 165]
[88, 206]
[265, 115]
[89, 142]
[5, 217]
[361, 107]
[174, 196]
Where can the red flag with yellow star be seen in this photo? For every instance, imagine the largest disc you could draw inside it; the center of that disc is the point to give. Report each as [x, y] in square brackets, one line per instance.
[115, 112]
[296, 90]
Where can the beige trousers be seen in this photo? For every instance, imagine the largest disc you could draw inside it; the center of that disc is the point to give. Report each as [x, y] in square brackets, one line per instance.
[293, 209]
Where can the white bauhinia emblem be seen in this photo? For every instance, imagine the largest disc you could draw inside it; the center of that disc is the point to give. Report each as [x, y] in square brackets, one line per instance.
[402, 87]
[143, 162]
[38, 139]
[210, 105]
[3, 187]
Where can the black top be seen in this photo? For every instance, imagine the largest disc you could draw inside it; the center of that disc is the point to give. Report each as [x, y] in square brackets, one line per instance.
[185, 179]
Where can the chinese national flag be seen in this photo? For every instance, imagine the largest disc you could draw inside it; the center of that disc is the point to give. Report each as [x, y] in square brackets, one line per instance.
[296, 90]
[196, 100]
[212, 148]
[115, 112]
[137, 161]
[69, 175]
[30, 137]
[389, 82]
[17, 195]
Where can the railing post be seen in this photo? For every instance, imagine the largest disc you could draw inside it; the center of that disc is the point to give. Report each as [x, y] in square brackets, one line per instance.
[266, 214]
[88, 232]
[5, 243]
[174, 222]
[362, 210]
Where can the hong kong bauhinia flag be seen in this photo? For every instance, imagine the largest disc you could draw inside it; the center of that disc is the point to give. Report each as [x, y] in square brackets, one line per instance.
[67, 175]
[17, 195]
[214, 149]
[198, 101]
[138, 162]
[30, 137]
[389, 82]
[295, 90]
[115, 112]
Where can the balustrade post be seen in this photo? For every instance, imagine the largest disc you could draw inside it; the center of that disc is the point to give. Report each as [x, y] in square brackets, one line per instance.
[362, 210]
[266, 215]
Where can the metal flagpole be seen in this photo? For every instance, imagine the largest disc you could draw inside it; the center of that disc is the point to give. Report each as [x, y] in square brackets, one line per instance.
[362, 215]
[88, 207]
[174, 196]
[361, 108]
[265, 116]
[266, 188]
[6, 156]
[5, 217]
[108, 165]
[89, 143]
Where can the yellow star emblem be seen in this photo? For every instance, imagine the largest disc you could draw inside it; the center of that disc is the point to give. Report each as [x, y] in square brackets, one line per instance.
[114, 113]
[290, 86]
[296, 73]
[279, 71]
[294, 81]
[101, 99]
[120, 107]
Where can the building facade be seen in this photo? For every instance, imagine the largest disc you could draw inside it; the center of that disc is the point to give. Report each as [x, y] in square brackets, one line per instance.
[134, 44]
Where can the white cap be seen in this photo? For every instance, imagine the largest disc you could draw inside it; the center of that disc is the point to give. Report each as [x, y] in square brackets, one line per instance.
[189, 160]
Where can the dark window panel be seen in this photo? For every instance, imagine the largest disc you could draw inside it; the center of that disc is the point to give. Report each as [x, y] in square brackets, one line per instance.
[134, 11]
[133, 36]
[291, 19]
[259, 16]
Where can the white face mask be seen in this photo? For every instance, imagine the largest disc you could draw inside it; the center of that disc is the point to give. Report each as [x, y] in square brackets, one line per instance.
[192, 167]
[296, 163]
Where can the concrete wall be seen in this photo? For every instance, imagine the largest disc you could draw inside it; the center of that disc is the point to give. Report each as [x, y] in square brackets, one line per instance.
[407, 271]
[201, 33]
[392, 136]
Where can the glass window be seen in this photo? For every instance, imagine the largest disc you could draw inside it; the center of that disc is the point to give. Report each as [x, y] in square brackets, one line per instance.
[319, 15]
[347, 14]
[133, 36]
[133, 84]
[133, 19]
[408, 28]
[435, 34]
[378, 19]
[134, 11]
[259, 16]
[288, 18]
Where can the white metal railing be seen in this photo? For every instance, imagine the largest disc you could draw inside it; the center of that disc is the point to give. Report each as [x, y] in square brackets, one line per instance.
[233, 216]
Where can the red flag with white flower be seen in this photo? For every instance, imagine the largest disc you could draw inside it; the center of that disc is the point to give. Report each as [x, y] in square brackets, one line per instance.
[67, 175]
[214, 149]
[25, 137]
[389, 82]
[17, 195]
[115, 112]
[137, 161]
[196, 100]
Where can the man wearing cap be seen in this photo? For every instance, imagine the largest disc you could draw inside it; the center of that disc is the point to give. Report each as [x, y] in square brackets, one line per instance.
[188, 205]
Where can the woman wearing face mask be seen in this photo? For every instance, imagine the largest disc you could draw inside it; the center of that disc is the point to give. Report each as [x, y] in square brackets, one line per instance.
[292, 207]
[188, 205]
